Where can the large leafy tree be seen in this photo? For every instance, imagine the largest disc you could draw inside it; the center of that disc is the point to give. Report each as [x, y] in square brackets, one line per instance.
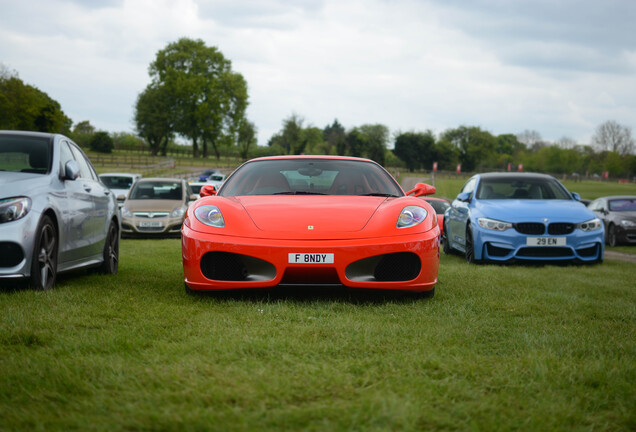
[24, 107]
[246, 138]
[475, 146]
[154, 118]
[207, 99]
[335, 137]
[416, 149]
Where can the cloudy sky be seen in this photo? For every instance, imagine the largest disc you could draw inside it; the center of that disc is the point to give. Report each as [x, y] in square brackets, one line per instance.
[557, 67]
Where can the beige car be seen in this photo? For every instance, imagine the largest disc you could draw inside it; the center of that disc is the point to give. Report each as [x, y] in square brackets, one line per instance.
[156, 206]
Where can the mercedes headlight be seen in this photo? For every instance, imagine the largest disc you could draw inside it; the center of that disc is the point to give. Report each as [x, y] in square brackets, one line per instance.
[14, 208]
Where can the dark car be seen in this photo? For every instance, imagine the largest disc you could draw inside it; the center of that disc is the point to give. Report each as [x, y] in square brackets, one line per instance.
[206, 174]
[618, 214]
[55, 213]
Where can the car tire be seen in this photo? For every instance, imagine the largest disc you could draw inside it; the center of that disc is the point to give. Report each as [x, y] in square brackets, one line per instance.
[612, 239]
[111, 251]
[446, 245]
[470, 248]
[44, 261]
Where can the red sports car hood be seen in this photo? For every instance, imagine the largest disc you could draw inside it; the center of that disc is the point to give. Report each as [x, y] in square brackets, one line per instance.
[320, 214]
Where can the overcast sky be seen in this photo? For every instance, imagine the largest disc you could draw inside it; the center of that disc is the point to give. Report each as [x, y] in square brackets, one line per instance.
[558, 67]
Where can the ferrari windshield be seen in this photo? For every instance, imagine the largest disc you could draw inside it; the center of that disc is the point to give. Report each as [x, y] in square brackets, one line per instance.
[540, 188]
[25, 154]
[309, 176]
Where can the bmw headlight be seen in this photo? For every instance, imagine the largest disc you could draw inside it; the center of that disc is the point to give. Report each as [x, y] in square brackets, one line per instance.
[210, 215]
[14, 208]
[411, 216]
[628, 223]
[125, 212]
[493, 224]
[591, 225]
[178, 212]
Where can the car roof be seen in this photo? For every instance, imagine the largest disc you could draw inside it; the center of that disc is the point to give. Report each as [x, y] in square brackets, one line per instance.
[120, 174]
[516, 175]
[612, 197]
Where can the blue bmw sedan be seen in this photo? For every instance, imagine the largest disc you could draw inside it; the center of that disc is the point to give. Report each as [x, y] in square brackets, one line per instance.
[502, 217]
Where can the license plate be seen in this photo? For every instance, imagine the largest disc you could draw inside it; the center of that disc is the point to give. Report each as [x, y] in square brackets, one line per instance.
[545, 241]
[310, 258]
[153, 224]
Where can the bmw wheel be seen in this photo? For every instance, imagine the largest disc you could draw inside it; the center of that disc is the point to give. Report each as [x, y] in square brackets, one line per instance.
[44, 262]
[470, 247]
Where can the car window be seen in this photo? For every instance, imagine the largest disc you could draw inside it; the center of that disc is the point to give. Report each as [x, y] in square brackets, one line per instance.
[157, 190]
[521, 188]
[469, 187]
[308, 176]
[86, 170]
[117, 182]
[25, 154]
[621, 205]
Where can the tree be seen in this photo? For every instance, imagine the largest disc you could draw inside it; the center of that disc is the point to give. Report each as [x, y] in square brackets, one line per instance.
[24, 107]
[335, 137]
[82, 133]
[612, 136]
[207, 99]
[246, 138]
[475, 145]
[376, 139]
[154, 118]
[101, 142]
[416, 149]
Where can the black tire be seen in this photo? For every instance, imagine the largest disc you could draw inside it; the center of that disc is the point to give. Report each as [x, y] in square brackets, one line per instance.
[44, 261]
[470, 247]
[446, 245]
[612, 239]
[111, 251]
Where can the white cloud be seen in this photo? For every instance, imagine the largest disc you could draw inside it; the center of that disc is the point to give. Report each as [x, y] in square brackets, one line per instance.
[411, 65]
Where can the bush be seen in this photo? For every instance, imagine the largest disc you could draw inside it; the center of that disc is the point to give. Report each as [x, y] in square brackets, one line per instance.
[101, 142]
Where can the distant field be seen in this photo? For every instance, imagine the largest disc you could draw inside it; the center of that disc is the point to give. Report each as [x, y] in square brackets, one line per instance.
[497, 348]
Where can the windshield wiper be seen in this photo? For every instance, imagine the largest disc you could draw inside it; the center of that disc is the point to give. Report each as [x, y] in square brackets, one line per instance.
[299, 193]
[380, 195]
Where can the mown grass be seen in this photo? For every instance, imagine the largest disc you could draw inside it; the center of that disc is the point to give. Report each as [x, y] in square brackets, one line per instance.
[497, 348]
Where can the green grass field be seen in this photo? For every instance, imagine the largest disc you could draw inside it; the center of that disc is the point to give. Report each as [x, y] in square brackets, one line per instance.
[497, 348]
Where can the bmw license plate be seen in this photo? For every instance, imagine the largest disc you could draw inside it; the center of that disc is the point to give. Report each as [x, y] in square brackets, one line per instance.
[546, 241]
[153, 224]
[310, 258]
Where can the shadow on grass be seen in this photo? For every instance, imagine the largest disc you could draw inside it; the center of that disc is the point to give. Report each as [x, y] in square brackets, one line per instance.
[310, 294]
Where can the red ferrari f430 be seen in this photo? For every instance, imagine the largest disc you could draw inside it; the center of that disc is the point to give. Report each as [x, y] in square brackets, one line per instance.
[311, 220]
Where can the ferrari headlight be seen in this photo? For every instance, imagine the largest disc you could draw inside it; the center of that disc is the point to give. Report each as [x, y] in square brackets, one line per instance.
[591, 225]
[411, 216]
[493, 224]
[178, 212]
[125, 212]
[210, 215]
[14, 208]
[628, 223]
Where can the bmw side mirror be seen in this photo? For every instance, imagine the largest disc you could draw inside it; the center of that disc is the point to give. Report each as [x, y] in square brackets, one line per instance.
[71, 170]
[464, 196]
[576, 196]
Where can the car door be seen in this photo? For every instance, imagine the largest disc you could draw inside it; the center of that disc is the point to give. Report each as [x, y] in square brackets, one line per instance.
[96, 226]
[75, 205]
[459, 215]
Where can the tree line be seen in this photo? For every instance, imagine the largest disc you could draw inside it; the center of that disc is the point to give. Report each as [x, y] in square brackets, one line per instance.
[195, 95]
